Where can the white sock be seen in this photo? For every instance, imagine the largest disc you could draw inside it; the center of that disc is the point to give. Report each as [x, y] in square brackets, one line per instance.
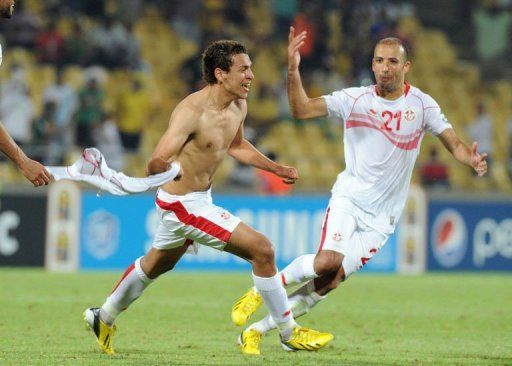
[300, 270]
[302, 301]
[275, 298]
[127, 290]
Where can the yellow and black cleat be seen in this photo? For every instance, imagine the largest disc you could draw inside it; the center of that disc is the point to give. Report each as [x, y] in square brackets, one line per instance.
[246, 306]
[304, 339]
[249, 340]
[101, 330]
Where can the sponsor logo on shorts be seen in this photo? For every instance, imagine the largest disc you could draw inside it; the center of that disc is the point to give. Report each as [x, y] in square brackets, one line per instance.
[101, 234]
[225, 215]
[449, 238]
[336, 237]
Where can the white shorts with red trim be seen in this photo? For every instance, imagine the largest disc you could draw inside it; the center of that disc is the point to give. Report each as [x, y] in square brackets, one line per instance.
[345, 233]
[192, 218]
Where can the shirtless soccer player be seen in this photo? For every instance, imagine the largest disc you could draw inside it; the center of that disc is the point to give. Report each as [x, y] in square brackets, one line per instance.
[383, 128]
[203, 128]
[31, 169]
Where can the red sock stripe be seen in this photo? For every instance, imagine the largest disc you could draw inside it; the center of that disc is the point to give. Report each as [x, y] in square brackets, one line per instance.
[198, 222]
[126, 273]
[283, 280]
[324, 230]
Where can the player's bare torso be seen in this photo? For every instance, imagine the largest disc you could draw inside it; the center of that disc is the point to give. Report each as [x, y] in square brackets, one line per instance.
[206, 147]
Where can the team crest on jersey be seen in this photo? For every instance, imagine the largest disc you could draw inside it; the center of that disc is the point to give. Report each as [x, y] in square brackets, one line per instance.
[409, 115]
[225, 215]
[336, 236]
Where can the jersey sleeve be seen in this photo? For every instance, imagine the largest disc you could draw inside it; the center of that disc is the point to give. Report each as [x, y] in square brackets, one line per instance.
[435, 120]
[339, 103]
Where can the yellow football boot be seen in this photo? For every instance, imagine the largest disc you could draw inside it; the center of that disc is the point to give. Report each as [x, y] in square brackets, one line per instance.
[246, 306]
[250, 340]
[101, 330]
[304, 339]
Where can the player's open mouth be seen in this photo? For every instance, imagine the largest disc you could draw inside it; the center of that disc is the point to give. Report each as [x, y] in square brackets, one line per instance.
[246, 86]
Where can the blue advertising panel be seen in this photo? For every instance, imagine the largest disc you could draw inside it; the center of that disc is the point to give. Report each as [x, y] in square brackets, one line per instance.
[116, 230]
[470, 235]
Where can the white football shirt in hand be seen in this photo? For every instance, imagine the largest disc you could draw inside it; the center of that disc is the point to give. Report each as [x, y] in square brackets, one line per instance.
[91, 168]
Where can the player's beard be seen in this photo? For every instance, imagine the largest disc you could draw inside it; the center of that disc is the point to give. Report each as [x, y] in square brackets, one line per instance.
[388, 87]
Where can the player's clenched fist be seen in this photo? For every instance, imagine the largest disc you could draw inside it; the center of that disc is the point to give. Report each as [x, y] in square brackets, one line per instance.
[288, 173]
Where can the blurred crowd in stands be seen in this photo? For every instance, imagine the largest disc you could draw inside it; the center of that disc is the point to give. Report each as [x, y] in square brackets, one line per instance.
[109, 72]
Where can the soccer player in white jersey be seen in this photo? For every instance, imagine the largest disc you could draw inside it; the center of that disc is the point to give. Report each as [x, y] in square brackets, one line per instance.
[203, 128]
[383, 128]
[31, 169]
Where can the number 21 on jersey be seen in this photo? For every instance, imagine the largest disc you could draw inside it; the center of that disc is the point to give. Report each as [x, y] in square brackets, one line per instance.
[388, 119]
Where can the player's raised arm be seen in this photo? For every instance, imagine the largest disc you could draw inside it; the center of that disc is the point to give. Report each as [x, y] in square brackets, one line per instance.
[301, 106]
[182, 124]
[463, 153]
[243, 151]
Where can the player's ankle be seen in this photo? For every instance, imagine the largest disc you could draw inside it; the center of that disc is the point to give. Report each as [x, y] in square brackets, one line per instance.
[286, 328]
[107, 316]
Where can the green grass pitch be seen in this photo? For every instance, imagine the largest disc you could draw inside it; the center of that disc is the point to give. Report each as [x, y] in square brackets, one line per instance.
[184, 319]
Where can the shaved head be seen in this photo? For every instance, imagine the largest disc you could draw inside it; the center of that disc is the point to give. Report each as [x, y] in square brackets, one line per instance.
[397, 42]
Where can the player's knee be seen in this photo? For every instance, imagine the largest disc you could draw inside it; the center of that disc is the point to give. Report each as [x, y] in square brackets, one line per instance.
[327, 263]
[264, 253]
[154, 269]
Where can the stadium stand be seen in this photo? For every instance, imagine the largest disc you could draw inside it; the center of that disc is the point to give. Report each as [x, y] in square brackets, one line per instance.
[160, 50]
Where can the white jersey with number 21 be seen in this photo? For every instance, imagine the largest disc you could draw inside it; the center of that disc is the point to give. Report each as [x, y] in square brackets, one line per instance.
[381, 142]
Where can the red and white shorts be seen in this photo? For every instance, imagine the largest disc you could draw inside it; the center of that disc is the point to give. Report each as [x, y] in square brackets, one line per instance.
[192, 218]
[346, 233]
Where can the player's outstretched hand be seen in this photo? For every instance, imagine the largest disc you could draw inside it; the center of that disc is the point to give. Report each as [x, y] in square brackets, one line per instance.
[295, 42]
[478, 161]
[288, 173]
[35, 172]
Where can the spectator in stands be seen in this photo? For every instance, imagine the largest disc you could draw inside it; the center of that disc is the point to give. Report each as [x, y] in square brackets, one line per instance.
[284, 11]
[17, 108]
[90, 112]
[481, 130]
[50, 45]
[78, 48]
[493, 23]
[134, 111]
[271, 184]
[184, 20]
[46, 141]
[113, 44]
[65, 100]
[22, 29]
[434, 173]
[128, 47]
[108, 141]
[100, 37]
[304, 21]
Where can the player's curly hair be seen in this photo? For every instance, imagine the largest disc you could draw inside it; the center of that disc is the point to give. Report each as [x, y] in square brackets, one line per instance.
[219, 55]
